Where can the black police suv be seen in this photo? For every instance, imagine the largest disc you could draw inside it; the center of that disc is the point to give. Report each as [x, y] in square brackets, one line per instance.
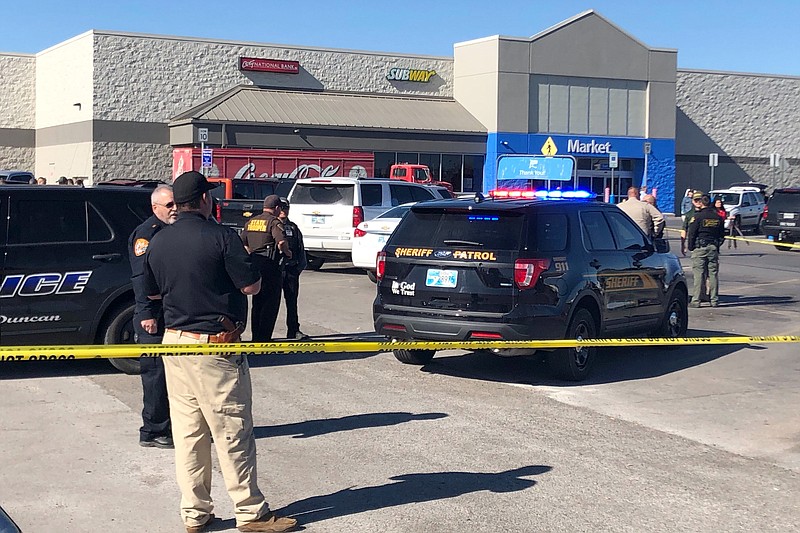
[526, 270]
[781, 222]
[66, 274]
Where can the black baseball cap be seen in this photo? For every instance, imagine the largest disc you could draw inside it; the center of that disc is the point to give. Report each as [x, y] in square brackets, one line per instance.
[284, 203]
[190, 185]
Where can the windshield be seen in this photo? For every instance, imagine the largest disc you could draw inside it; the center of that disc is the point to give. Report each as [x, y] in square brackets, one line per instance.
[322, 194]
[396, 212]
[785, 201]
[440, 229]
[728, 198]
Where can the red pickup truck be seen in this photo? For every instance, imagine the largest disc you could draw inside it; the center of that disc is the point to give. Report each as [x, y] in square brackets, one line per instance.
[416, 174]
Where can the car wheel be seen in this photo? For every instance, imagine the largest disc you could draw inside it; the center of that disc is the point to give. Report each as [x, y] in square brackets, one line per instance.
[314, 263]
[676, 318]
[574, 364]
[372, 276]
[783, 248]
[414, 357]
[119, 330]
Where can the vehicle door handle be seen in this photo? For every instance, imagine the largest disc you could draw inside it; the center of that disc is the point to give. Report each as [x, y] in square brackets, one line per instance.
[594, 263]
[107, 258]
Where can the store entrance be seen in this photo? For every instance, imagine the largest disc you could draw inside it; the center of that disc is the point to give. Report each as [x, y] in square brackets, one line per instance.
[596, 181]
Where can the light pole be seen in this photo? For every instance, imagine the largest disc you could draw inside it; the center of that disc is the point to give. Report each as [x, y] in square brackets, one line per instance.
[713, 162]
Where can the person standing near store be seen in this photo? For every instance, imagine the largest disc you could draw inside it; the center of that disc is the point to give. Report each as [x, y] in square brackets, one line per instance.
[291, 268]
[264, 237]
[647, 217]
[203, 275]
[148, 324]
[705, 236]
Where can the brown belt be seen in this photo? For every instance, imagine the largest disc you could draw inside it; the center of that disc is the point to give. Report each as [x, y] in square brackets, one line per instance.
[223, 337]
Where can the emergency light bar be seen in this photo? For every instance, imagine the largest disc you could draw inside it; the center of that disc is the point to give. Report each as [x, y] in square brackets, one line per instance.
[543, 194]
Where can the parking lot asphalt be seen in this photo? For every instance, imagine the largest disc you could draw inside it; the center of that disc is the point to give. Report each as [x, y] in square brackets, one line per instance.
[700, 438]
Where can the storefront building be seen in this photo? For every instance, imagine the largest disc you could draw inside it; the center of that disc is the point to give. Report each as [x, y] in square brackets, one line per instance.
[107, 105]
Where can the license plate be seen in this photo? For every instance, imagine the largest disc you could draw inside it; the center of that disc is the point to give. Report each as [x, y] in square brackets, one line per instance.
[788, 215]
[441, 278]
[317, 219]
[788, 224]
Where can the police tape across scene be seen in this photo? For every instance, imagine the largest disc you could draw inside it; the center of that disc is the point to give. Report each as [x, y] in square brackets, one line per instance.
[757, 241]
[53, 353]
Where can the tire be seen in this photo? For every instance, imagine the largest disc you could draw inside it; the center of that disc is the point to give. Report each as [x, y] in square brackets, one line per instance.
[575, 364]
[118, 329]
[676, 317]
[314, 263]
[414, 357]
[783, 248]
[372, 276]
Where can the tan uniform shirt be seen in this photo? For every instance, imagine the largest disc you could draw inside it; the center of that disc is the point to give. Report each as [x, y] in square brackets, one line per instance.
[645, 215]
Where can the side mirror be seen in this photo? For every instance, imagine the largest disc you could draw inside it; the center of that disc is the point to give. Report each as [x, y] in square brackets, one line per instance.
[661, 245]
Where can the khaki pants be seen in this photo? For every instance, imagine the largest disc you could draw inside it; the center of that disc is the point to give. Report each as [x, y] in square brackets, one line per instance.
[705, 258]
[212, 396]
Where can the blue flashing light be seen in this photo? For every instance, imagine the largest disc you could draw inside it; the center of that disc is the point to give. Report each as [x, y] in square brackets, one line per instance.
[483, 217]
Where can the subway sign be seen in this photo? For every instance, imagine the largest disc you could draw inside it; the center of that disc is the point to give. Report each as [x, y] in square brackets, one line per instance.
[410, 74]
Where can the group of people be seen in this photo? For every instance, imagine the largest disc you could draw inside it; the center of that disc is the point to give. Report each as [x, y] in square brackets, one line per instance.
[703, 233]
[63, 180]
[192, 277]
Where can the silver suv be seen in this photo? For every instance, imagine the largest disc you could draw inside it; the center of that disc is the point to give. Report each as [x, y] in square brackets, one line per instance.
[327, 210]
[744, 205]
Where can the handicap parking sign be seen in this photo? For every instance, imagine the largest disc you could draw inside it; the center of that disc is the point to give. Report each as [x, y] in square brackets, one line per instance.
[207, 157]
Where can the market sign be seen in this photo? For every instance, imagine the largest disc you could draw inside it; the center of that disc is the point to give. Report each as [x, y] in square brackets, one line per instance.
[269, 65]
[410, 74]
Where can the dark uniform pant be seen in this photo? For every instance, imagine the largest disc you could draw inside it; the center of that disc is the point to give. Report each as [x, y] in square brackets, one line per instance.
[291, 289]
[155, 410]
[267, 302]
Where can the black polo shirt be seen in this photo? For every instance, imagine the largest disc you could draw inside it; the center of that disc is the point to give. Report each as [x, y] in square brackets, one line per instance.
[198, 267]
[138, 243]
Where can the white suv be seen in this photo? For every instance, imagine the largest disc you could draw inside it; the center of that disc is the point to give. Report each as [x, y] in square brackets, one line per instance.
[327, 210]
[745, 205]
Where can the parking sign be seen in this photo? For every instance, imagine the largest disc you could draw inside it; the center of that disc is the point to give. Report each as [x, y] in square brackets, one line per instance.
[207, 157]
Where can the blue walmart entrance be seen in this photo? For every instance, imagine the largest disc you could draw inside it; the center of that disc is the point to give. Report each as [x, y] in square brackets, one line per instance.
[592, 157]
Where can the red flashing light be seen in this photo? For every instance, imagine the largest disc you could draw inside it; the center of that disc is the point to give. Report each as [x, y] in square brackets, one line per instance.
[527, 272]
[508, 193]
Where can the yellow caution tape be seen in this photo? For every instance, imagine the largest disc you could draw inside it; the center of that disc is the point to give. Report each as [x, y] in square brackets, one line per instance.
[54, 353]
[757, 241]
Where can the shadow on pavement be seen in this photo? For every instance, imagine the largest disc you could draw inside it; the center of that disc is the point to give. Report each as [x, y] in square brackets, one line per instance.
[410, 488]
[612, 365]
[732, 300]
[55, 369]
[314, 428]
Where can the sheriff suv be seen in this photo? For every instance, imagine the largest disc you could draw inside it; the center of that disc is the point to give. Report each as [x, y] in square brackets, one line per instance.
[526, 270]
[66, 275]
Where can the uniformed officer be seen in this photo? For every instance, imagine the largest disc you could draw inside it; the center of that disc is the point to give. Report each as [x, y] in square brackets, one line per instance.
[264, 238]
[290, 272]
[704, 237]
[203, 273]
[148, 324]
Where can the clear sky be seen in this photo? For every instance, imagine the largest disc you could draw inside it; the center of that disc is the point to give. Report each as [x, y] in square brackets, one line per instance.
[734, 35]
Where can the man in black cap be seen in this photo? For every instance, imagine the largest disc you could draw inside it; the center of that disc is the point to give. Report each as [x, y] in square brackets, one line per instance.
[291, 268]
[203, 275]
[148, 323]
[265, 239]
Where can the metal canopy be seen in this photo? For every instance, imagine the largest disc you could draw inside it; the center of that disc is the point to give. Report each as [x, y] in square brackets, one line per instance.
[254, 105]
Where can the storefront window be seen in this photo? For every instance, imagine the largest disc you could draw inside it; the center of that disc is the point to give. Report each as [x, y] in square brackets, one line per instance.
[383, 163]
[404, 157]
[451, 170]
[473, 173]
[433, 163]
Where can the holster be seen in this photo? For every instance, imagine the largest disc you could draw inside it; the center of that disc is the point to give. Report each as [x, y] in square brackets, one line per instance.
[232, 331]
